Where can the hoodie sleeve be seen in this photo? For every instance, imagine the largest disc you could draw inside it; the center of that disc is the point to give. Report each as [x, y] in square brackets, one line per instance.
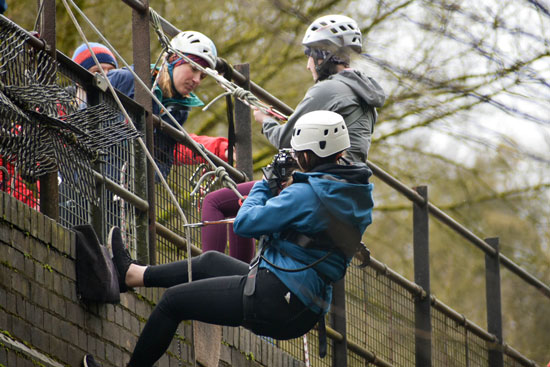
[295, 207]
[315, 99]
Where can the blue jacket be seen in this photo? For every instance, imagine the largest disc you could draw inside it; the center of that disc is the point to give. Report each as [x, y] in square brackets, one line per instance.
[123, 80]
[304, 207]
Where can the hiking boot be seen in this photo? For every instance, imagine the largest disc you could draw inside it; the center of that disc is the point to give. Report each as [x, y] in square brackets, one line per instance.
[89, 361]
[121, 257]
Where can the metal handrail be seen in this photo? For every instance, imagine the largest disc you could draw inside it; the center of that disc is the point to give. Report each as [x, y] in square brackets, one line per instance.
[458, 228]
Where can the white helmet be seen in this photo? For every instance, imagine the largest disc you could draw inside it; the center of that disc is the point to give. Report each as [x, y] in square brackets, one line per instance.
[196, 43]
[333, 30]
[323, 132]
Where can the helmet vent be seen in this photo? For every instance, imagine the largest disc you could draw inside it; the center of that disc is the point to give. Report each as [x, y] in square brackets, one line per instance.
[298, 131]
[343, 127]
[314, 28]
[343, 28]
[322, 144]
[324, 24]
[326, 132]
[335, 130]
[334, 30]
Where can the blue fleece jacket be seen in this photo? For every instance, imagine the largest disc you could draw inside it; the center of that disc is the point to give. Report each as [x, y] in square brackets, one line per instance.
[304, 207]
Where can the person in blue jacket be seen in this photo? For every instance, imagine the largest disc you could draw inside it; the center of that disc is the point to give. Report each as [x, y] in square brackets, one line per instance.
[287, 288]
[176, 81]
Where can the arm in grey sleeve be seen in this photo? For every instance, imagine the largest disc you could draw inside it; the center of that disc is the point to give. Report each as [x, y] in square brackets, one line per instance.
[279, 135]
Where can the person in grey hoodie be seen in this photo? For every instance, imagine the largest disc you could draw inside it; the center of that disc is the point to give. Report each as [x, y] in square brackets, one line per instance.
[329, 43]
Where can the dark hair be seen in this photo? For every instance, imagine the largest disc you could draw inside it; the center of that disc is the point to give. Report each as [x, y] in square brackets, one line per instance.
[313, 159]
[329, 61]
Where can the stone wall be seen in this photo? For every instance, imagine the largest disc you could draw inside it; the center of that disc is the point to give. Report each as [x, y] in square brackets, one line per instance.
[43, 323]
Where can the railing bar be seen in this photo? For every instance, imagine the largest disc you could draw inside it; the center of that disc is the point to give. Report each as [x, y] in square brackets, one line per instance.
[484, 246]
[135, 200]
[136, 5]
[508, 350]
[412, 287]
[176, 239]
[357, 349]
[396, 184]
[519, 271]
[460, 229]
[461, 319]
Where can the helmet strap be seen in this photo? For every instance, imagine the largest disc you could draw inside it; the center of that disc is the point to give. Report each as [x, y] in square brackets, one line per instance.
[326, 68]
[328, 65]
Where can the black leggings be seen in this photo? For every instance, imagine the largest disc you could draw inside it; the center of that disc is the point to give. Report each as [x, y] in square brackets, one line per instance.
[215, 296]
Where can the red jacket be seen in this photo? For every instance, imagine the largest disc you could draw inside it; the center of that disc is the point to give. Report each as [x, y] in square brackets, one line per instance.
[15, 186]
[216, 145]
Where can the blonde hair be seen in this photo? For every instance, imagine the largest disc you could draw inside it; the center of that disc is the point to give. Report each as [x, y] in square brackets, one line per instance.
[164, 82]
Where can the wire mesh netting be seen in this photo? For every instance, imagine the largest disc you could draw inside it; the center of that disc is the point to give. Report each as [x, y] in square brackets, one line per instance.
[49, 127]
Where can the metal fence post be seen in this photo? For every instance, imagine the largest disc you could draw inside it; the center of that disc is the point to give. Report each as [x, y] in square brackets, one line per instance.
[146, 249]
[243, 129]
[494, 307]
[340, 357]
[422, 311]
[49, 191]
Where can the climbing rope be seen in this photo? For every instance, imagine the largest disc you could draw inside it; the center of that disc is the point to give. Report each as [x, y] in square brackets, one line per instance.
[130, 122]
[227, 181]
[236, 91]
[140, 140]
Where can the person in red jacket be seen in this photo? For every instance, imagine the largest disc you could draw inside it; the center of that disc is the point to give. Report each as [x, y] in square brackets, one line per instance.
[14, 185]
[215, 144]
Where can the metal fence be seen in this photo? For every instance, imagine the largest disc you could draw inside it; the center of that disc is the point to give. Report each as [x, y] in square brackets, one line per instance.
[390, 321]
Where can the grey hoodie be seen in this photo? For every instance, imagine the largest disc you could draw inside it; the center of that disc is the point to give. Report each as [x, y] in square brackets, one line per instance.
[350, 93]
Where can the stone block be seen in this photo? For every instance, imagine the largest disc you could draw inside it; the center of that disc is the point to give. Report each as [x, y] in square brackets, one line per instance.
[11, 301]
[110, 332]
[40, 340]
[48, 322]
[47, 238]
[14, 212]
[75, 313]
[118, 319]
[5, 233]
[60, 347]
[27, 219]
[72, 244]
[127, 340]
[20, 329]
[69, 331]
[58, 305]
[41, 220]
[82, 341]
[34, 223]
[40, 253]
[20, 207]
[75, 355]
[6, 210]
